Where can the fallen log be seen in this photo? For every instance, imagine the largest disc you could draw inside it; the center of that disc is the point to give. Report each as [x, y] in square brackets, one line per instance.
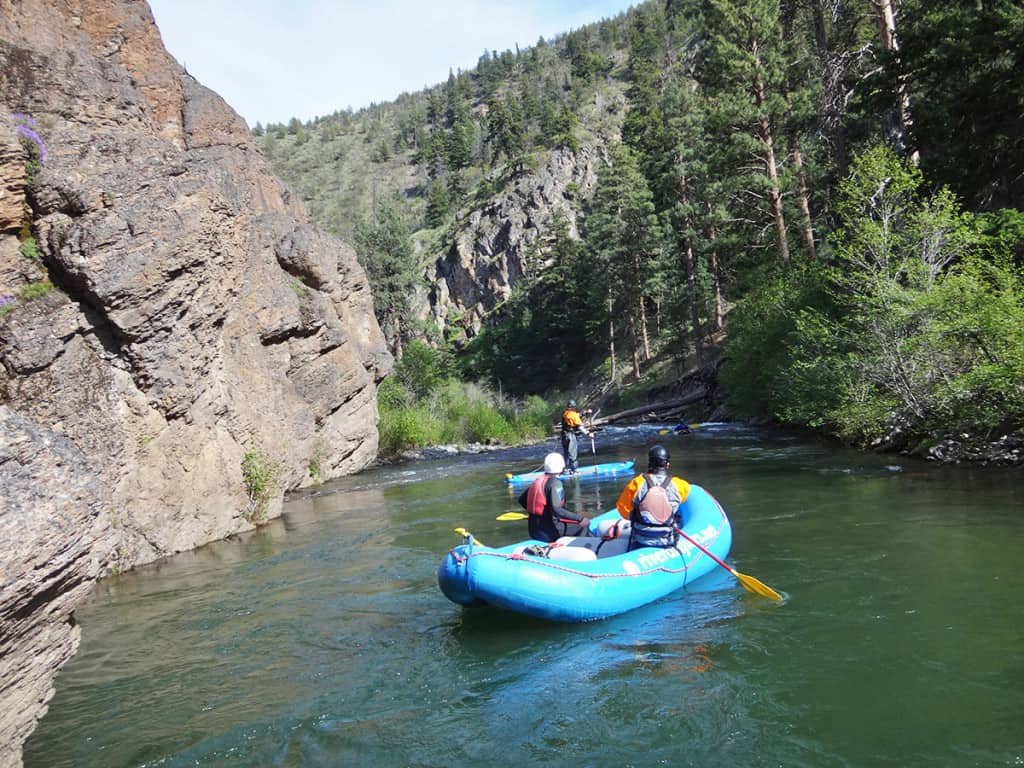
[654, 410]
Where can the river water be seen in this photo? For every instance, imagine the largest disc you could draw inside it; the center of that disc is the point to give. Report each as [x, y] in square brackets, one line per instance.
[323, 640]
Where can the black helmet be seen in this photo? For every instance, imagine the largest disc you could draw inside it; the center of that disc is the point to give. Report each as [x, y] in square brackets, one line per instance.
[657, 456]
[571, 404]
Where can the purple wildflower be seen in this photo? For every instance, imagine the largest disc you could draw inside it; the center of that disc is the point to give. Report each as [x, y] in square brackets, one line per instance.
[28, 133]
[6, 301]
[23, 119]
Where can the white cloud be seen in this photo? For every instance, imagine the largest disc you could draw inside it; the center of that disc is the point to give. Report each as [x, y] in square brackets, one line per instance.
[274, 60]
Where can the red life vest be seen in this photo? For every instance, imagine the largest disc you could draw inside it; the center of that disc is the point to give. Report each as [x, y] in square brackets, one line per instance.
[536, 497]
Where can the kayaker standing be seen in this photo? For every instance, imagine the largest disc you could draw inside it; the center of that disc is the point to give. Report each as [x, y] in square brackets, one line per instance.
[572, 425]
[651, 503]
[544, 502]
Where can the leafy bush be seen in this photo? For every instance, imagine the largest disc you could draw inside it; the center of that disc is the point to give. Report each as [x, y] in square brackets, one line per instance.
[35, 290]
[758, 373]
[917, 323]
[406, 428]
[455, 412]
[30, 249]
[261, 477]
[422, 368]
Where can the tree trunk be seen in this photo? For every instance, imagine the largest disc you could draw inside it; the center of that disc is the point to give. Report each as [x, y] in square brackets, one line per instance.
[770, 167]
[611, 335]
[716, 276]
[643, 329]
[886, 18]
[642, 313]
[795, 151]
[636, 347]
[807, 230]
[832, 71]
[690, 262]
[398, 338]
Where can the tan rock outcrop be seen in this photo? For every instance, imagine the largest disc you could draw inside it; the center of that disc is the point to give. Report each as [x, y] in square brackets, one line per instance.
[489, 253]
[195, 316]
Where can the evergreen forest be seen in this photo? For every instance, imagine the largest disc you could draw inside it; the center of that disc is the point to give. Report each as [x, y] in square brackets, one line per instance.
[826, 194]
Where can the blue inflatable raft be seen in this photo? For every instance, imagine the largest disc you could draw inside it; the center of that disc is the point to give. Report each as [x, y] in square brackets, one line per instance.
[590, 471]
[587, 578]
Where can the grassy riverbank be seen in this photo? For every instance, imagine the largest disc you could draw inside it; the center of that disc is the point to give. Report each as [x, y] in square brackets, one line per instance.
[424, 404]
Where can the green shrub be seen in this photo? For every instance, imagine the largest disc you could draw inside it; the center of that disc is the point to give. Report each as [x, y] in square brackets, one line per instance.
[262, 478]
[316, 461]
[455, 412]
[35, 290]
[422, 369]
[485, 424]
[30, 249]
[532, 421]
[406, 428]
[392, 394]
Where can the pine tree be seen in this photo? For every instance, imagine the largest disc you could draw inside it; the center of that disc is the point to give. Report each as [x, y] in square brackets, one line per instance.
[623, 240]
[438, 203]
[743, 72]
[384, 246]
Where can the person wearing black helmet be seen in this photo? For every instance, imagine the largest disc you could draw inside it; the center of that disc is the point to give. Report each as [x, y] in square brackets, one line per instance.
[651, 503]
[572, 425]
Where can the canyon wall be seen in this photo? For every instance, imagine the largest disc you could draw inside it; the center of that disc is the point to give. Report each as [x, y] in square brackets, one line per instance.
[166, 310]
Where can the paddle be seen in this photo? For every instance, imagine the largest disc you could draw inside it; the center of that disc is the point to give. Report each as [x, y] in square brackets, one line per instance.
[512, 516]
[466, 534]
[509, 475]
[690, 427]
[749, 582]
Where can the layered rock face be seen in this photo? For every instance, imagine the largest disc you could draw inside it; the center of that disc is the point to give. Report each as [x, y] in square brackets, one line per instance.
[194, 317]
[489, 252]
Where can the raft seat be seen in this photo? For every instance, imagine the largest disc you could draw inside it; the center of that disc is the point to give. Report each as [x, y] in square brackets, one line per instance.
[580, 549]
[574, 549]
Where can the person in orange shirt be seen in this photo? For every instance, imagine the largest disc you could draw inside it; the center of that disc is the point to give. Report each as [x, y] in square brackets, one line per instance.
[572, 425]
[652, 503]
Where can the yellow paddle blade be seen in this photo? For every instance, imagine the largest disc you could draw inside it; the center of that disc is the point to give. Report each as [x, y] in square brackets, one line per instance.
[466, 535]
[758, 588]
[511, 516]
[666, 431]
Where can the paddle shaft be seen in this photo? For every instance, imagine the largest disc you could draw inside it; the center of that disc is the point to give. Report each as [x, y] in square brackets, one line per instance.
[706, 551]
[749, 583]
[467, 535]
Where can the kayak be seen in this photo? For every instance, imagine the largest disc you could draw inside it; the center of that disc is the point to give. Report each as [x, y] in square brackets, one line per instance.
[589, 471]
[583, 578]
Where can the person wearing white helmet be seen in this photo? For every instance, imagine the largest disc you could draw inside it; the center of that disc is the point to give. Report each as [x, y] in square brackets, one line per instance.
[544, 500]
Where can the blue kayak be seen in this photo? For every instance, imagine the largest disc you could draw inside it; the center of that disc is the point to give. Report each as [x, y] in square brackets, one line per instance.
[590, 471]
[586, 578]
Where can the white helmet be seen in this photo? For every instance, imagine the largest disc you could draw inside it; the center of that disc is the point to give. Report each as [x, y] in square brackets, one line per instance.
[554, 463]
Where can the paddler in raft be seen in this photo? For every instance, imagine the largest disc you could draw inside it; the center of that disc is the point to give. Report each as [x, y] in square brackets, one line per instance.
[544, 501]
[651, 502]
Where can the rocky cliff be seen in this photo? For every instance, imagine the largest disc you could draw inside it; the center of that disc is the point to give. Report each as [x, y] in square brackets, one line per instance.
[166, 310]
[488, 252]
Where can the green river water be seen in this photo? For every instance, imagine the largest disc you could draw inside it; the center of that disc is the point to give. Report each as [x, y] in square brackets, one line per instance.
[323, 640]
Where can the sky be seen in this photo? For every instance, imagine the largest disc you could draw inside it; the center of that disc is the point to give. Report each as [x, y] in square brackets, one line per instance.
[272, 60]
